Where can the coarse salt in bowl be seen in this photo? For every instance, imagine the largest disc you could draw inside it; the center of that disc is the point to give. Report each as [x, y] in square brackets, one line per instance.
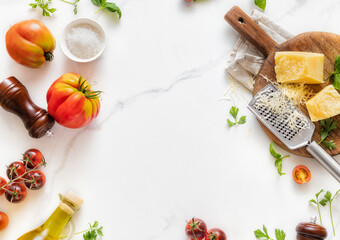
[83, 40]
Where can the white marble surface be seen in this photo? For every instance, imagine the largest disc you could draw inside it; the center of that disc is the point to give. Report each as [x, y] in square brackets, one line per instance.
[160, 151]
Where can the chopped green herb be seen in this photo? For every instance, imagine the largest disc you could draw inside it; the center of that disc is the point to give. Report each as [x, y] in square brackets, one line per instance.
[44, 5]
[92, 233]
[327, 126]
[233, 112]
[261, 4]
[278, 157]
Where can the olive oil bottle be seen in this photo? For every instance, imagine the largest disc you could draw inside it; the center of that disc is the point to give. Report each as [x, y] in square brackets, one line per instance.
[51, 229]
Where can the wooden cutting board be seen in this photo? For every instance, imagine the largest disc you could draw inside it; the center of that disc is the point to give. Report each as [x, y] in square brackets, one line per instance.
[318, 42]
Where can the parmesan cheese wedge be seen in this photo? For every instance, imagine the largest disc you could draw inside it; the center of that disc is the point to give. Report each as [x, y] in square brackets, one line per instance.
[324, 104]
[299, 67]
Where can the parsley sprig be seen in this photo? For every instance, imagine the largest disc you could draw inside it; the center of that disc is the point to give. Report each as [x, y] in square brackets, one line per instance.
[44, 5]
[279, 234]
[91, 233]
[318, 202]
[278, 158]
[336, 74]
[261, 4]
[329, 198]
[234, 112]
[74, 3]
[103, 4]
[327, 126]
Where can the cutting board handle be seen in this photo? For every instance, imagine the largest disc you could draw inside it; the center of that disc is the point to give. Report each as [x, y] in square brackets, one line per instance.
[248, 29]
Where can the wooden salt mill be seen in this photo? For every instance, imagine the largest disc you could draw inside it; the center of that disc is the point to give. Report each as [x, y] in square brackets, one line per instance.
[14, 98]
[310, 231]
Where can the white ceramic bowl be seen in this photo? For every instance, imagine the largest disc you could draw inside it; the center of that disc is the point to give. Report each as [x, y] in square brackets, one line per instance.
[68, 28]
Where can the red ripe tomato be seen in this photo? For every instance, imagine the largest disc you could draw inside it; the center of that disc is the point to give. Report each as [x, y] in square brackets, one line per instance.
[35, 180]
[216, 234]
[15, 192]
[71, 101]
[30, 43]
[301, 174]
[2, 183]
[32, 158]
[196, 229]
[15, 170]
[3, 220]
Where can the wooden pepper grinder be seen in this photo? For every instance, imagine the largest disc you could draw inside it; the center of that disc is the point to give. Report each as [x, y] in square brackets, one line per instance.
[310, 231]
[14, 98]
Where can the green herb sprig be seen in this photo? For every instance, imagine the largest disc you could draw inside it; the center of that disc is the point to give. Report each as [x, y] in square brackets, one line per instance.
[234, 112]
[91, 233]
[75, 4]
[329, 198]
[103, 4]
[336, 74]
[279, 234]
[278, 157]
[327, 126]
[261, 4]
[316, 201]
[44, 5]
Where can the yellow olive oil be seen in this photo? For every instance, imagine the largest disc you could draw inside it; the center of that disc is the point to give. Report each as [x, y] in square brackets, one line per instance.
[51, 229]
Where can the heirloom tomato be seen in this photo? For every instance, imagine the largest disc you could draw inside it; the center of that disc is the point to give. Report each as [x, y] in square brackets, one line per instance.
[30, 43]
[196, 229]
[216, 234]
[71, 101]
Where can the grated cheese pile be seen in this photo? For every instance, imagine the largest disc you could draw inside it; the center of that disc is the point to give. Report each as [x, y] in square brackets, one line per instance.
[298, 93]
[84, 41]
[277, 103]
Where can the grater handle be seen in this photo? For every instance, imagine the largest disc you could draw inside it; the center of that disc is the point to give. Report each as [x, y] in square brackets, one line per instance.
[329, 163]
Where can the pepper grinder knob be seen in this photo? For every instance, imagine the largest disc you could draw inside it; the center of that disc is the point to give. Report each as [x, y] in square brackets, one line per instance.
[15, 98]
[310, 231]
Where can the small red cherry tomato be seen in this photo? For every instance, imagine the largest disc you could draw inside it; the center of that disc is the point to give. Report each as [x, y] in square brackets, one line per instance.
[215, 234]
[35, 180]
[15, 170]
[301, 174]
[196, 229]
[2, 183]
[3, 220]
[15, 192]
[32, 158]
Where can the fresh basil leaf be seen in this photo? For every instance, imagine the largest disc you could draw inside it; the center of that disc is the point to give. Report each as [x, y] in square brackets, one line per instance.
[97, 2]
[113, 8]
[336, 81]
[337, 64]
[261, 4]
[272, 151]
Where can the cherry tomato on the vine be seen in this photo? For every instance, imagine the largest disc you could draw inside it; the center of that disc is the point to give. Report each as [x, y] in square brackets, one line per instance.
[16, 169]
[15, 192]
[32, 158]
[3, 220]
[301, 174]
[196, 229]
[35, 180]
[215, 234]
[2, 183]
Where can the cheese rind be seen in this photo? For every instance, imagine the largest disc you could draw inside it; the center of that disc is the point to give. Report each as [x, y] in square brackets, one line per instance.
[324, 104]
[299, 67]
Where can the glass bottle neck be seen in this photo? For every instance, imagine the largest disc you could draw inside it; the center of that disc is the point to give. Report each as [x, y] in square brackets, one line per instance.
[57, 221]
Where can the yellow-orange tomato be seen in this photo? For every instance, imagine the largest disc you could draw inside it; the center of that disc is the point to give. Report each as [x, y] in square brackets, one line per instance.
[301, 174]
[71, 101]
[30, 43]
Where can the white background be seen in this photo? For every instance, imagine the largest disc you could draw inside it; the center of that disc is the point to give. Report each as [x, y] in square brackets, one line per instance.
[160, 152]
